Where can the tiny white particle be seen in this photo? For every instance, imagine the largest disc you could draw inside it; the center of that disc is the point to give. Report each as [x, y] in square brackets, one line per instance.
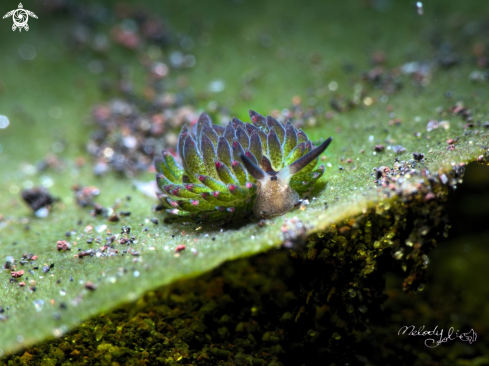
[47, 181]
[4, 122]
[419, 6]
[333, 86]
[100, 228]
[57, 332]
[42, 212]
[216, 86]
[38, 304]
[136, 273]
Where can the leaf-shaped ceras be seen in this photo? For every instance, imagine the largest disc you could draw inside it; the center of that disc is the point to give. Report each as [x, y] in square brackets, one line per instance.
[226, 172]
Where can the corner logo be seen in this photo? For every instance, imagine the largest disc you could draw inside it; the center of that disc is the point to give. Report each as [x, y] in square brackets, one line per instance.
[20, 17]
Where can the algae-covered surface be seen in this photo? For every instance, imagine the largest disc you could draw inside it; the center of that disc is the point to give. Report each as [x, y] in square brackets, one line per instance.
[404, 96]
[224, 317]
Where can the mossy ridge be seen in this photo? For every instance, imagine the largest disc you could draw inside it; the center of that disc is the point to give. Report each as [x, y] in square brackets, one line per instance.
[330, 287]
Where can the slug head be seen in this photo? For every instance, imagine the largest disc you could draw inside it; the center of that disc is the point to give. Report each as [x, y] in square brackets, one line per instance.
[275, 196]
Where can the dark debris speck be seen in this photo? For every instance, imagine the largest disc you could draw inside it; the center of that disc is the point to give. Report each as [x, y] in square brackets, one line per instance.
[98, 209]
[37, 198]
[90, 286]
[379, 148]
[418, 156]
[113, 218]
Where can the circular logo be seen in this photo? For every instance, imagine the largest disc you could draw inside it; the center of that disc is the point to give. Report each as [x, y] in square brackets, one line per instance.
[20, 18]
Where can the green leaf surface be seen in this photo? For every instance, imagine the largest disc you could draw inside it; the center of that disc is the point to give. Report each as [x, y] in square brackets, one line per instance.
[48, 100]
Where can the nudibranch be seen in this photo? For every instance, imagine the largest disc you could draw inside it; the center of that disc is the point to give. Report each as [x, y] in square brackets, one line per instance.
[226, 172]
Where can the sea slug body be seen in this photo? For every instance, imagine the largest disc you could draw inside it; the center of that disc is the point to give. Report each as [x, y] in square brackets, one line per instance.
[226, 172]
